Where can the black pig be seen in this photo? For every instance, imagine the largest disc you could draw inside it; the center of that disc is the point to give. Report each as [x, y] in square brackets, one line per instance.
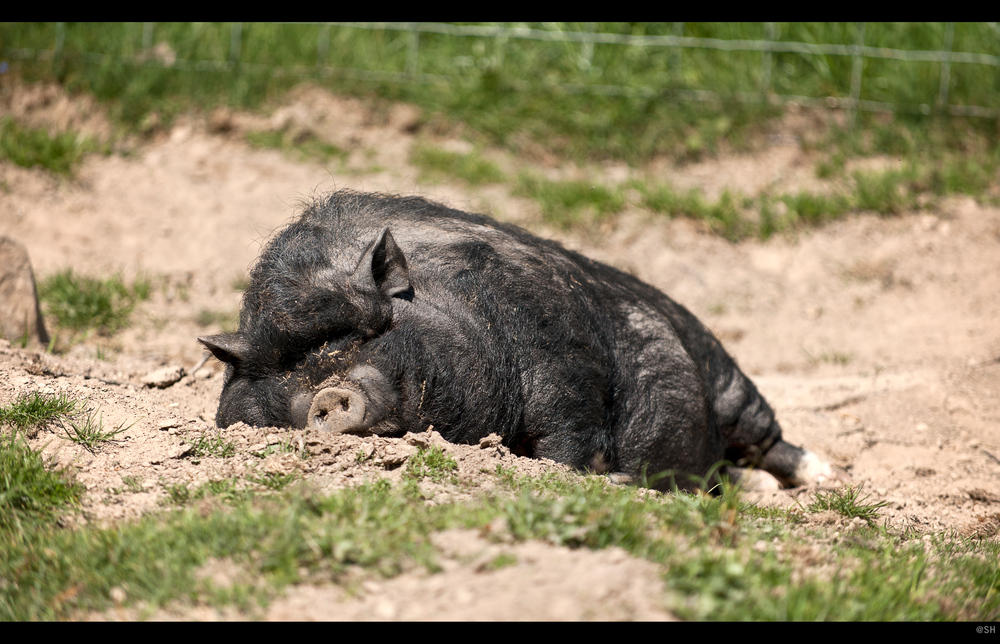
[380, 314]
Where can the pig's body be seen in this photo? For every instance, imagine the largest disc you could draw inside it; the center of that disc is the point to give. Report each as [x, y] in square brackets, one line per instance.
[386, 315]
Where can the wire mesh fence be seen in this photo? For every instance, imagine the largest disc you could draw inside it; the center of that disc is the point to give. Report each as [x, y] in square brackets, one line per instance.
[950, 68]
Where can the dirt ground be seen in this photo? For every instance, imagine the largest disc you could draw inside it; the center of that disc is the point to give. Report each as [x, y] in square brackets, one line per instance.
[876, 339]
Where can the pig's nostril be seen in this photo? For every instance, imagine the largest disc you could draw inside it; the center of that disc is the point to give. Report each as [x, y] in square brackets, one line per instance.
[337, 409]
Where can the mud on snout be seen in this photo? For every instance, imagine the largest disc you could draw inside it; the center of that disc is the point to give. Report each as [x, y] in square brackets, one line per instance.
[358, 404]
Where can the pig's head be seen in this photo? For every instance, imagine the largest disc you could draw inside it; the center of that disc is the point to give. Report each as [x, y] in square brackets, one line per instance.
[311, 326]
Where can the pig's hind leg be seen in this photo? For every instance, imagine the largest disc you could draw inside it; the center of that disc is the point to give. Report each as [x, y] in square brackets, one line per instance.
[753, 436]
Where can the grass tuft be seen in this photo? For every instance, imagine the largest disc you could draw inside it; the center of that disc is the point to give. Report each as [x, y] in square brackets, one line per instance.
[431, 463]
[303, 147]
[37, 410]
[29, 148]
[563, 201]
[85, 304]
[30, 491]
[87, 429]
[436, 164]
[848, 503]
[207, 446]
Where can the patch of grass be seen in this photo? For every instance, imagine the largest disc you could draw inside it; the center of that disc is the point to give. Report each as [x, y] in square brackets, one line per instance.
[830, 167]
[303, 147]
[563, 201]
[887, 193]
[723, 216]
[207, 446]
[848, 503]
[178, 493]
[228, 320]
[284, 446]
[29, 148]
[664, 199]
[971, 176]
[502, 560]
[85, 304]
[132, 483]
[829, 357]
[432, 463]
[721, 558]
[228, 490]
[30, 491]
[275, 481]
[815, 209]
[528, 93]
[37, 410]
[104, 352]
[436, 164]
[240, 282]
[87, 429]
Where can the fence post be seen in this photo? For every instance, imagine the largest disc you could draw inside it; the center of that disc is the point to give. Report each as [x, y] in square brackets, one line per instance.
[235, 38]
[856, 75]
[60, 37]
[765, 63]
[675, 52]
[323, 44]
[412, 52]
[587, 50]
[949, 36]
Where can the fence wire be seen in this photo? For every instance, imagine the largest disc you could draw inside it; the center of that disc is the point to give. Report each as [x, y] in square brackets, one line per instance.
[767, 46]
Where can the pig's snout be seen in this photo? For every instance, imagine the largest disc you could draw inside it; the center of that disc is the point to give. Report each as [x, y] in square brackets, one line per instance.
[339, 410]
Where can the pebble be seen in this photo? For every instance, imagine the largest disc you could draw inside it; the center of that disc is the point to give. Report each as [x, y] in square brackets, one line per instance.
[163, 378]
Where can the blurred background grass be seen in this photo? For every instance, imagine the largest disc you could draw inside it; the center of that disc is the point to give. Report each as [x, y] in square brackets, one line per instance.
[925, 94]
[598, 90]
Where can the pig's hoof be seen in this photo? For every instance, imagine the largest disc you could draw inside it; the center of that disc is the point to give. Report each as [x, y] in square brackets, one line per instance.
[812, 470]
[337, 410]
[621, 478]
[754, 480]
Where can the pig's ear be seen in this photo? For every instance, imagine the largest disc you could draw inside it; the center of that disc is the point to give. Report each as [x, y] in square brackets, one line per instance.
[383, 267]
[227, 347]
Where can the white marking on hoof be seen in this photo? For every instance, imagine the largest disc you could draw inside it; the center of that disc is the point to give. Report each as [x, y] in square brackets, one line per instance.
[620, 478]
[754, 480]
[812, 470]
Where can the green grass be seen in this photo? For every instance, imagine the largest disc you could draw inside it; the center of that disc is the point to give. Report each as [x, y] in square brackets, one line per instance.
[228, 320]
[226, 490]
[564, 202]
[534, 97]
[206, 445]
[431, 463]
[886, 193]
[32, 493]
[437, 164]
[133, 484]
[29, 148]
[848, 502]
[285, 446]
[522, 93]
[37, 410]
[240, 282]
[275, 481]
[303, 147]
[721, 559]
[87, 429]
[84, 304]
